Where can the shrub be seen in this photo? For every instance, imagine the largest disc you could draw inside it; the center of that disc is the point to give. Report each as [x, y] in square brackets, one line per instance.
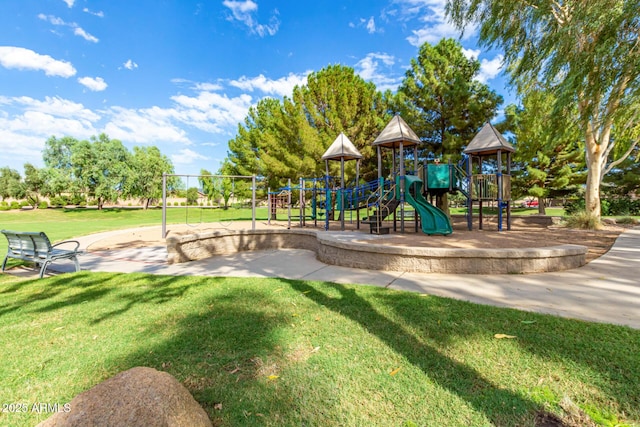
[24, 203]
[57, 201]
[583, 220]
[15, 205]
[43, 205]
[77, 199]
[574, 206]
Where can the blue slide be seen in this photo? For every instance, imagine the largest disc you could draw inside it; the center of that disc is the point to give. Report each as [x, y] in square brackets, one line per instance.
[434, 220]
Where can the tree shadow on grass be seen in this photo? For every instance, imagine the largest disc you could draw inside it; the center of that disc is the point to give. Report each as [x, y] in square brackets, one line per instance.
[499, 405]
[230, 353]
[607, 354]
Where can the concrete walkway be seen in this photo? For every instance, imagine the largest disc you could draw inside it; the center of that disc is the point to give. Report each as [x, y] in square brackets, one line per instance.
[605, 290]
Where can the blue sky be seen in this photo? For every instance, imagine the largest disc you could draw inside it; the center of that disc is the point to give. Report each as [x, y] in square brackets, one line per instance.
[181, 74]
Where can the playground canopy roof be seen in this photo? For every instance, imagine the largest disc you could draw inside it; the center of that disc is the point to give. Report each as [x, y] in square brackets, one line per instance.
[488, 141]
[342, 148]
[397, 131]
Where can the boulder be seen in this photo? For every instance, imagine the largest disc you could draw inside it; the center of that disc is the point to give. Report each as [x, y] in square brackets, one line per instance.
[140, 396]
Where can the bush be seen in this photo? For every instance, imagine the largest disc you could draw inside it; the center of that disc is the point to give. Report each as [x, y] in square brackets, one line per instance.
[43, 205]
[583, 220]
[574, 206]
[24, 203]
[57, 201]
[77, 199]
[15, 205]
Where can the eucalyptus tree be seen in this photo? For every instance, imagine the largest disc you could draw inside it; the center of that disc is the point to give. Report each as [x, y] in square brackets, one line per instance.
[549, 151]
[443, 100]
[588, 52]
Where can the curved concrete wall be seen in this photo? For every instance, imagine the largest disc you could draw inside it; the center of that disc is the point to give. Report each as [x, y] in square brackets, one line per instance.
[339, 249]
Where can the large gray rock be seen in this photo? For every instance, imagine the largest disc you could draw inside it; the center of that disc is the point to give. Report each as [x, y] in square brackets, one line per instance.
[141, 397]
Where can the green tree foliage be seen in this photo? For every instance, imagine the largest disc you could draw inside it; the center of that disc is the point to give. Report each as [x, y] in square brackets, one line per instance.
[58, 170]
[192, 196]
[144, 174]
[286, 140]
[207, 182]
[34, 183]
[442, 99]
[549, 151]
[102, 167]
[11, 184]
[588, 52]
[624, 180]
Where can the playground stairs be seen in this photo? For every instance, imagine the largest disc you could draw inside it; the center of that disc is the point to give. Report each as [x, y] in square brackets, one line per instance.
[375, 221]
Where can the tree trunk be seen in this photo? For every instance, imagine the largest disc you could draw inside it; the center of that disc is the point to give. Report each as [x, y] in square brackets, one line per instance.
[542, 209]
[595, 164]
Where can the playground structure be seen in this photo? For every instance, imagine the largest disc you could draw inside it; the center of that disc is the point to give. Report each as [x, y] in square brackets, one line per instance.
[481, 177]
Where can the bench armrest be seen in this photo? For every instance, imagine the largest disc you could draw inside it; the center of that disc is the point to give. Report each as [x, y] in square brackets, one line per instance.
[67, 242]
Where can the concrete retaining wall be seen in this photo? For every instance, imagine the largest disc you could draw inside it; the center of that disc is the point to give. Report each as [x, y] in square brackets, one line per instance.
[336, 250]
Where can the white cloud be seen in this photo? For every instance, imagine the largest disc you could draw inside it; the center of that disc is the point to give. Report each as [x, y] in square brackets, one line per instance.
[187, 156]
[490, 68]
[77, 30]
[211, 112]
[432, 14]
[244, 11]
[281, 87]
[471, 53]
[130, 65]
[69, 2]
[369, 69]
[371, 25]
[96, 84]
[99, 14]
[26, 59]
[208, 86]
[82, 33]
[54, 106]
[144, 126]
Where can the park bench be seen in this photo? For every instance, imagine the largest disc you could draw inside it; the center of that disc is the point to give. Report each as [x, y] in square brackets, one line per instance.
[37, 248]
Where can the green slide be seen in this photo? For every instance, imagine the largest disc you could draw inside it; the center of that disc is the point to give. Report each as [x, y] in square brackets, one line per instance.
[433, 220]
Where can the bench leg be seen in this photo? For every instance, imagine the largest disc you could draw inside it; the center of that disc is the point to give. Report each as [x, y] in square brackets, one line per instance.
[4, 263]
[43, 268]
[77, 263]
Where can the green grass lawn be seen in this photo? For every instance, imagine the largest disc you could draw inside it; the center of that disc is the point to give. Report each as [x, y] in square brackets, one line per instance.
[61, 224]
[286, 352]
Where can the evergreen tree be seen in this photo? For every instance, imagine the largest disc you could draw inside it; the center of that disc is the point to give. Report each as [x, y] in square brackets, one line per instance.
[442, 99]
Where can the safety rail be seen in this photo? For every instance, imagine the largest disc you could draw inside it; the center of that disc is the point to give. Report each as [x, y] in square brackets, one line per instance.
[380, 196]
[486, 187]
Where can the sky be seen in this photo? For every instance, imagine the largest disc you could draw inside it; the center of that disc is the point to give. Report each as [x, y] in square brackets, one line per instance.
[182, 74]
